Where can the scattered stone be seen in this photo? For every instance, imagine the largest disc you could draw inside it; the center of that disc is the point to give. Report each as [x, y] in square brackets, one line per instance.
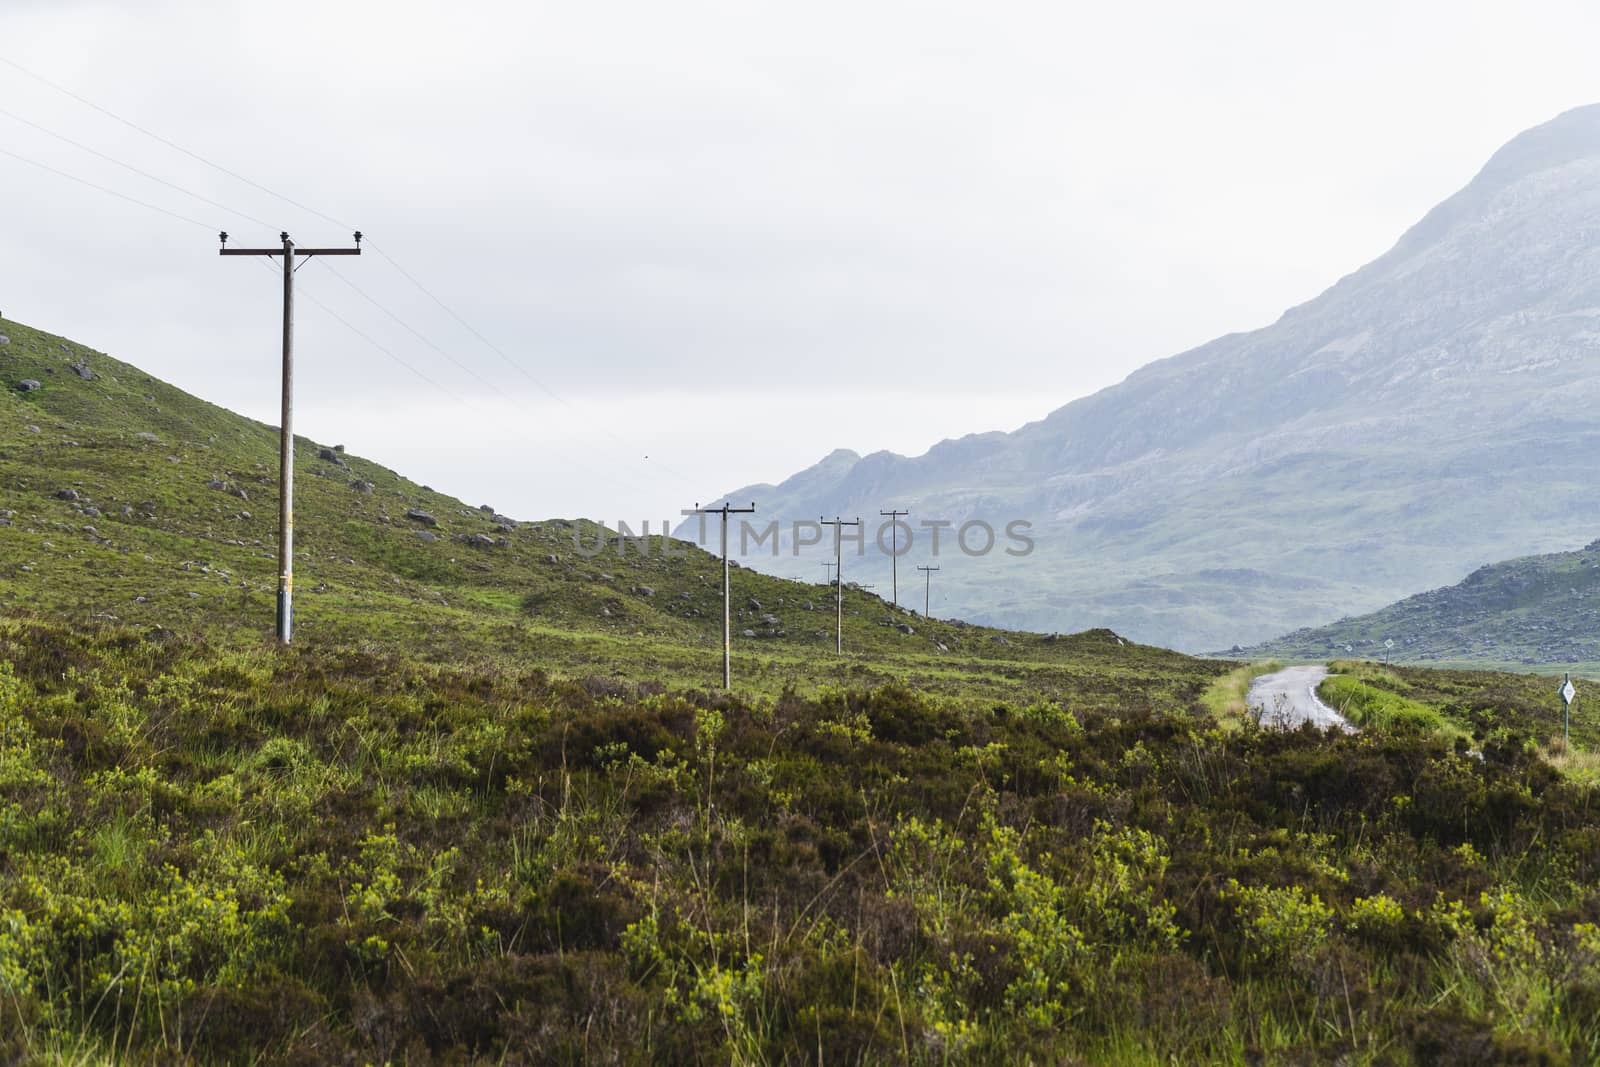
[643, 590]
[1000, 640]
[5, 522]
[28, 385]
[92, 512]
[33, 429]
[504, 520]
[685, 596]
[477, 540]
[905, 628]
[940, 646]
[552, 558]
[753, 604]
[427, 536]
[418, 515]
[330, 456]
[82, 370]
[141, 600]
[486, 509]
[69, 495]
[7, 513]
[747, 633]
[770, 620]
[339, 449]
[362, 487]
[605, 613]
[146, 435]
[4, 340]
[808, 606]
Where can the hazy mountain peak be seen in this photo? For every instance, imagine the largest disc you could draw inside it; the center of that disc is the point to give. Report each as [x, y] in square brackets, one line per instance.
[1435, 408]
[1570, 136]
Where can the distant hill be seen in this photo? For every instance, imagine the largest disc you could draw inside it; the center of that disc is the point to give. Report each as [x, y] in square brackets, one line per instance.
[1536, 611]
[126, 500]
[1438, 407]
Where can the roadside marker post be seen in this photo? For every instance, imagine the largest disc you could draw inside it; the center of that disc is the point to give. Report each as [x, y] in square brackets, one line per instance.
[1569, 693]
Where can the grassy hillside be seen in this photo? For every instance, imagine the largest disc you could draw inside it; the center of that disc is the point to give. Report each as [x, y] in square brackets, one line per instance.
[488, 810]
[1539, 611]
[171, 522]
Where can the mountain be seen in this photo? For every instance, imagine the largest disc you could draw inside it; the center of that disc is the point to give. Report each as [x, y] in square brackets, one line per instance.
[1436, 408]
[126, 501]
[1536, 611]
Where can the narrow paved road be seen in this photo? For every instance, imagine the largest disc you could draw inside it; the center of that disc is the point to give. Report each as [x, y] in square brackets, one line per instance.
[1289, 698]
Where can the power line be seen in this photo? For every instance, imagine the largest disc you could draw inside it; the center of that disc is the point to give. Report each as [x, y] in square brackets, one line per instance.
[294, 203]
[103, 189]
[407, 326]
[86, 102]
[130, 167]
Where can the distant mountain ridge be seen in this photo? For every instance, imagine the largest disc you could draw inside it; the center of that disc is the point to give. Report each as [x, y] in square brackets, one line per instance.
[1430, 410]
[1536, 611]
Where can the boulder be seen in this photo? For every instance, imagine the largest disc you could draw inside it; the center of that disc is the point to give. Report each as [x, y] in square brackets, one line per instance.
[770, 620]
[330, 456]
[747, 633]
[4, 340]
[362, 487]
[643, 590]
[477, 540]
[71, 496]
[905, 628]
[418, 515]
[82, 370]
[753, 604]
[28, 385]
[426, 536]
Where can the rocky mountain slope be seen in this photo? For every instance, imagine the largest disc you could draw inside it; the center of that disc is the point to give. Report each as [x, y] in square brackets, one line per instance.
[1432, 410]
[1536, 611]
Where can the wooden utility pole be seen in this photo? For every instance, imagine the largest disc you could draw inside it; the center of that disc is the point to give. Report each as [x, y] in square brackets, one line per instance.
[894, 556]
[727, 637]
[927, 589]
[286, 430]
[838, 525]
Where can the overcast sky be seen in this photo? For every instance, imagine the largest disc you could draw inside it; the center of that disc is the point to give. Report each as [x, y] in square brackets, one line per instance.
[728, 237]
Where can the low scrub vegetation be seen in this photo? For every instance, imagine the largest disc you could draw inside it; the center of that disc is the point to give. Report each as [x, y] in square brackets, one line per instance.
[232, 855]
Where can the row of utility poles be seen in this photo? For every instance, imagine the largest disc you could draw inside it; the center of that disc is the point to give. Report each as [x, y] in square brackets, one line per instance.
[835, 568]
[285, 606]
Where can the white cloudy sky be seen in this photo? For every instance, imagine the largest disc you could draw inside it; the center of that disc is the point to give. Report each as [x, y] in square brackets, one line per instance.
[729, 237]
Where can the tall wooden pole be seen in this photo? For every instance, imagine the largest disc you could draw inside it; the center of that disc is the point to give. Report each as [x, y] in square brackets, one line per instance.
[838, 525]
[285, 620]
[927, 590]
[727, 611]
[286, 457]
[894, 556]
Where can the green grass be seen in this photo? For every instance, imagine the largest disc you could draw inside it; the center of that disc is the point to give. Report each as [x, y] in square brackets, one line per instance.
[1372, 707]
[215, 854]
[1225, 698]
[489, 808]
